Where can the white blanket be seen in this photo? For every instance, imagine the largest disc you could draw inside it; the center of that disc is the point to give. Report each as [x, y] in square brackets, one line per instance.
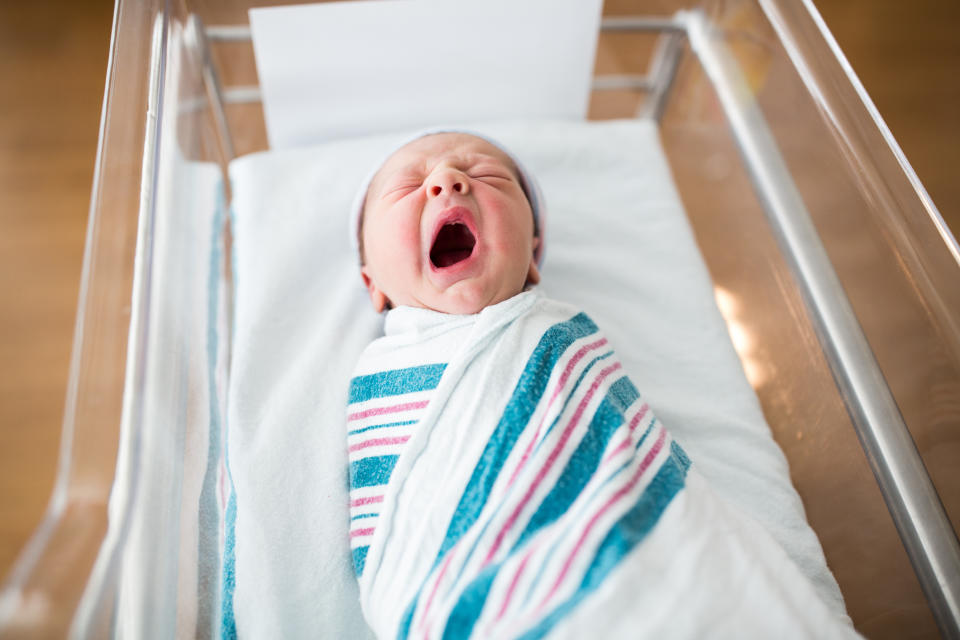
[620, 248]
[504, 470]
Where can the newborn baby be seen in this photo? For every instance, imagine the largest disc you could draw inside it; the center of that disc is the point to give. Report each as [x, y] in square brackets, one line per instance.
[506, 478]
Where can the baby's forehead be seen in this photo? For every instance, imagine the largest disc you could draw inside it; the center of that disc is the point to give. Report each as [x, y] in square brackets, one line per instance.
[456, 147]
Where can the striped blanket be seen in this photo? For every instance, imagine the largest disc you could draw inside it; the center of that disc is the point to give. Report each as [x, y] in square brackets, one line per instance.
[508, 480]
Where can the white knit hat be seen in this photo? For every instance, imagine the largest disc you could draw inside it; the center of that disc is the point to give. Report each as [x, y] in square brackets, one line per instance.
[527, 182]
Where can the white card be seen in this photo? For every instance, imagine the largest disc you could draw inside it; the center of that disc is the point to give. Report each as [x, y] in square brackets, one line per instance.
[345, 69]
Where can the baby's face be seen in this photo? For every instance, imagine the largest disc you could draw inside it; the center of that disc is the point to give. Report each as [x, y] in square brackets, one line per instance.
[446, 226]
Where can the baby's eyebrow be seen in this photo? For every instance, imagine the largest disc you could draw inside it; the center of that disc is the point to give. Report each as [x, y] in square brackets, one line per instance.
[476, 157]
[506, 163]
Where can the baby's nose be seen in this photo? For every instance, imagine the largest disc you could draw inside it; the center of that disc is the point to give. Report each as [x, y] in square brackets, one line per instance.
[447, 181]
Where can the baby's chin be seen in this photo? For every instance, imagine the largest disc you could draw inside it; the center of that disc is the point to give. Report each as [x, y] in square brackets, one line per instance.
[464, 298]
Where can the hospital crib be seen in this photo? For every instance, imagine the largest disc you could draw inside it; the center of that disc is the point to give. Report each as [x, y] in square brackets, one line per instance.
[837, 277]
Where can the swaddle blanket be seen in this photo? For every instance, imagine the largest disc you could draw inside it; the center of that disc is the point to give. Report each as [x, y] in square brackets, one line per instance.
[508, 480]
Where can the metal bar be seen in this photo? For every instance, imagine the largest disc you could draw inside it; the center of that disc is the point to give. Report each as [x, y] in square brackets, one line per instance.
[231, 95]
[612, 82]
[228, 33]
[663, 70]
[911, 497]
[197, 38]
[241, 32]
[641, 23]
[615, 82]
[242, 95]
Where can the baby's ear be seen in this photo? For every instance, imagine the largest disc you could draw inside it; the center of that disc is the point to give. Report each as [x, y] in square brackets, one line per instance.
[533, 273]
[377, 296]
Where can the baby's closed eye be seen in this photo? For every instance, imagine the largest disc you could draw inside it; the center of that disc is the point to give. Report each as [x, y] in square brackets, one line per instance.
[485, 172]
[401, 187]
[407, 186]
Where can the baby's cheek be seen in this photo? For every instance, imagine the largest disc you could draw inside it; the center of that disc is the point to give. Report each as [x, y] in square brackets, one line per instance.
[401, 251]
[517, 217]
[407, 243]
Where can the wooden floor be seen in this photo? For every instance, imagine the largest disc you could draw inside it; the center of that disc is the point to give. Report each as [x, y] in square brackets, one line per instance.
[53, 62]
[53, 58]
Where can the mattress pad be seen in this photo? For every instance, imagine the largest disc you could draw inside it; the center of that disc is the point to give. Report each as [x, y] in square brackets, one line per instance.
[620, 247]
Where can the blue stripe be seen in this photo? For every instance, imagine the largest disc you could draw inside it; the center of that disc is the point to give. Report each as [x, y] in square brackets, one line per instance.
[228, 625]
[209, 569]
[653, 422]
[402, 423]
[585, 460]
[526, 395]
[566, 401]
[360, 559]
[578, 471]
[516, 416]
[625, 535]
[463, 616]
[364, 515]
[532, 587]
[396, 382]
[367, 472]
[569, 397]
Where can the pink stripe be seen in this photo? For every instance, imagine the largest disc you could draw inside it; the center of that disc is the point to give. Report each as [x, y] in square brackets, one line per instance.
[513, 584]
[550, 460]
[379, 411]
[377, 441]
[647, 461]
[637, 418]
[620, 447]
[561, 383]
[627, 439]
[359, 502]
[433, 592]
[356, 533]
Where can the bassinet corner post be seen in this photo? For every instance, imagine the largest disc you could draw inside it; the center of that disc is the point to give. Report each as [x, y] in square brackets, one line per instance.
[200, 46]
[662, 67]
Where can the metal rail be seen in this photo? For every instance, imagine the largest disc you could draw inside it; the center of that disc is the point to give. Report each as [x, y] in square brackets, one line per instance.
[656, 83]
[910, 495]
[633, 24]
[649, 24]
[197, 42]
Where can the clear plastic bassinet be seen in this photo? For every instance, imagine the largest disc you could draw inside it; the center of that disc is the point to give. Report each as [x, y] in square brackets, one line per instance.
[835, 273]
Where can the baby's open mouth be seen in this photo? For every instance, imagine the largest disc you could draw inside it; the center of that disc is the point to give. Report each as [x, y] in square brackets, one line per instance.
[454, 243]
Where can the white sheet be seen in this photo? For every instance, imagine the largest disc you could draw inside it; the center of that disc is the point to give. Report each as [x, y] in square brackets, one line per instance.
[619, 247]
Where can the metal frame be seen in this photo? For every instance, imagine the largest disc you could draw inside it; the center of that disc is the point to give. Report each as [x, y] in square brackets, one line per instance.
[911, 498]
[656, 82]
[196, 38]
